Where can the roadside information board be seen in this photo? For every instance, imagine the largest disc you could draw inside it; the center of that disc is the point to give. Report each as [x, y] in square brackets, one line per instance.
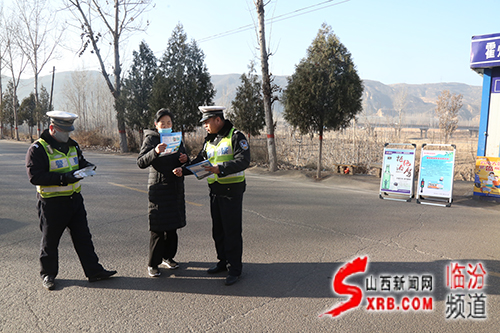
[487, 177]
[398, 170]
[435, 178]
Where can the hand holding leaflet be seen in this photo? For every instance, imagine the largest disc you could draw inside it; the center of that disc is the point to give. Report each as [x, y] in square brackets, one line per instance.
[173, 142]
[198, 169]
[85, 172]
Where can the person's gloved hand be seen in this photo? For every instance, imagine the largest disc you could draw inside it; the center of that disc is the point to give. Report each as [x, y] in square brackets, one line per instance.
[69, 178]
[87, 170]
[90, 165]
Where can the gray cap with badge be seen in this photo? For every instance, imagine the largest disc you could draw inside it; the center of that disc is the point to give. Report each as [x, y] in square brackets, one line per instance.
[62, 120]
[211, 111]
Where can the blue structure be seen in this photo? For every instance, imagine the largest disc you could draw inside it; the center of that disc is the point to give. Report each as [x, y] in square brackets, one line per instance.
[485, 60]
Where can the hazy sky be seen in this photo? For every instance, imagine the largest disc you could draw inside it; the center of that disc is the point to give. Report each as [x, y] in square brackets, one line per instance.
[392, 41]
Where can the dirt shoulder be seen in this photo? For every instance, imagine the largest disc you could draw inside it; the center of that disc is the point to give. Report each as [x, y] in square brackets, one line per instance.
[462, 190]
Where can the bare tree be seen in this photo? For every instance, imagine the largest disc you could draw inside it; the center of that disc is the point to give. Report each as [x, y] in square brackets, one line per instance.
[38, 37]
[76, 97]
[87, 94]
[400, 102]
[447, 109]
[15, 60]
[266, 87]
[116, 18]
[2, 54]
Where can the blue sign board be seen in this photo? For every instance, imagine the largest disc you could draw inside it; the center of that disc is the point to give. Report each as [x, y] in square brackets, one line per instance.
[485, 51]
[495, 85]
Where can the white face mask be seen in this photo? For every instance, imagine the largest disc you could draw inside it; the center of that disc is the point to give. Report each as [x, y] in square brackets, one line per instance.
[61, 136]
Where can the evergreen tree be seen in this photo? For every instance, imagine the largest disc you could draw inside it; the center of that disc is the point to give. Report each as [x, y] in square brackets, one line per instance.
[183, 82]
[325, 91]
[44, 106]
[137, 88]
[27, 113]
[7, 107]
[247, 112]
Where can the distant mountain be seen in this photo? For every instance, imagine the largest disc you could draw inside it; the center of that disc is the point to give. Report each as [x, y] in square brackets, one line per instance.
[379, 99]
[225, 86]
[26, 86]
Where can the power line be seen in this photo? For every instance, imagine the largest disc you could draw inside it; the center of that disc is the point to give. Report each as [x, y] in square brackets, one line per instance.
[278, 18]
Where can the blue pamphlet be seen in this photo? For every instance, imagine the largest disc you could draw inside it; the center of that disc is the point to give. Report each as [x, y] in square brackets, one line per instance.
[198, 169]
[173, 141]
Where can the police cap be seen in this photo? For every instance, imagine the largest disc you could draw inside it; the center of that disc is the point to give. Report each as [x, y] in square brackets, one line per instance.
[62, 120]
[211, 111]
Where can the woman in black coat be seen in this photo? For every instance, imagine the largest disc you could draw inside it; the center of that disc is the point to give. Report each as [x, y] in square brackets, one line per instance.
[167, 207]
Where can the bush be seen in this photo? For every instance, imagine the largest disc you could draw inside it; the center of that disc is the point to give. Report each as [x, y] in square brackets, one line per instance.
[96, 139]
[258, 151]
[193, 144]
[134, 141]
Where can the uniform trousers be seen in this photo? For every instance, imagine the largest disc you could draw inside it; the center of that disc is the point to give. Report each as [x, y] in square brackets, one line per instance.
[162, 245]
[57, 214]
[227, 217]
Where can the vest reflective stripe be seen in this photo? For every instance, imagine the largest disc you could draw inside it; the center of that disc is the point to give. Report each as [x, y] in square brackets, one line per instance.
[219, 154]
[59, 162]
[59, 189]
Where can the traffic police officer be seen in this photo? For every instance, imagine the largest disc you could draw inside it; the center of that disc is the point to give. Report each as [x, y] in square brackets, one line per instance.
[51, 162]
[228, 151]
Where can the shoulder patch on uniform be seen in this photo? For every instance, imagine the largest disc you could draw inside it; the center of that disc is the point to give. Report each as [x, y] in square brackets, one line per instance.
[244, 144]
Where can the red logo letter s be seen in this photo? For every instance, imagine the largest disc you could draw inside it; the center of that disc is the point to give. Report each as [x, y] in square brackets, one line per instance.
[358, 265]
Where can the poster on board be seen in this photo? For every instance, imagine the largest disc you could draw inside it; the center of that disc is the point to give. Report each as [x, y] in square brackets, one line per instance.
[487, 177]
[397, 171]
[436, 173]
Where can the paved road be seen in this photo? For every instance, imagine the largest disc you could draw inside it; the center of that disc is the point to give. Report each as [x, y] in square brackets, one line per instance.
[297, 234]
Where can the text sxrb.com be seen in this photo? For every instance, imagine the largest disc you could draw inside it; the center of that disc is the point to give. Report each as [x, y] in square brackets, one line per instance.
[395, 291]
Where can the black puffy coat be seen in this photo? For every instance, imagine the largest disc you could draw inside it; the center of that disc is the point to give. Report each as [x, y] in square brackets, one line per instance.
[167, 207]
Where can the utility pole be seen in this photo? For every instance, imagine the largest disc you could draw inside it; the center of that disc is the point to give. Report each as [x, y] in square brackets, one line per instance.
[266, 88]
[50, 101]
[52, 87]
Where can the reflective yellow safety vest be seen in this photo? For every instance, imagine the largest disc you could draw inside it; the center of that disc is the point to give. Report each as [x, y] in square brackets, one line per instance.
[59, 162]
[220, 153]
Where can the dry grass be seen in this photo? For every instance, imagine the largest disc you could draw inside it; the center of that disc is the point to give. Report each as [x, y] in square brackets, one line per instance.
[360, 147]
[194, 142]
[96, 139]
[356, 146]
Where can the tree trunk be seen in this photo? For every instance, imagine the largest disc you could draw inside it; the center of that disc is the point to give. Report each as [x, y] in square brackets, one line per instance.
[318, 173]
[266, 88]
[117, 90]
[121, 127]
[16, 130]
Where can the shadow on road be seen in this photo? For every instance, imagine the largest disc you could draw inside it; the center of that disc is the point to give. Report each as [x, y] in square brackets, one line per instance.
[8, 225]
[307, 280]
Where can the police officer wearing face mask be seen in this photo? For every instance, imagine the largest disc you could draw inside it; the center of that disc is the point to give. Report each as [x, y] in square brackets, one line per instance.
[51, 162]
[229, 153]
